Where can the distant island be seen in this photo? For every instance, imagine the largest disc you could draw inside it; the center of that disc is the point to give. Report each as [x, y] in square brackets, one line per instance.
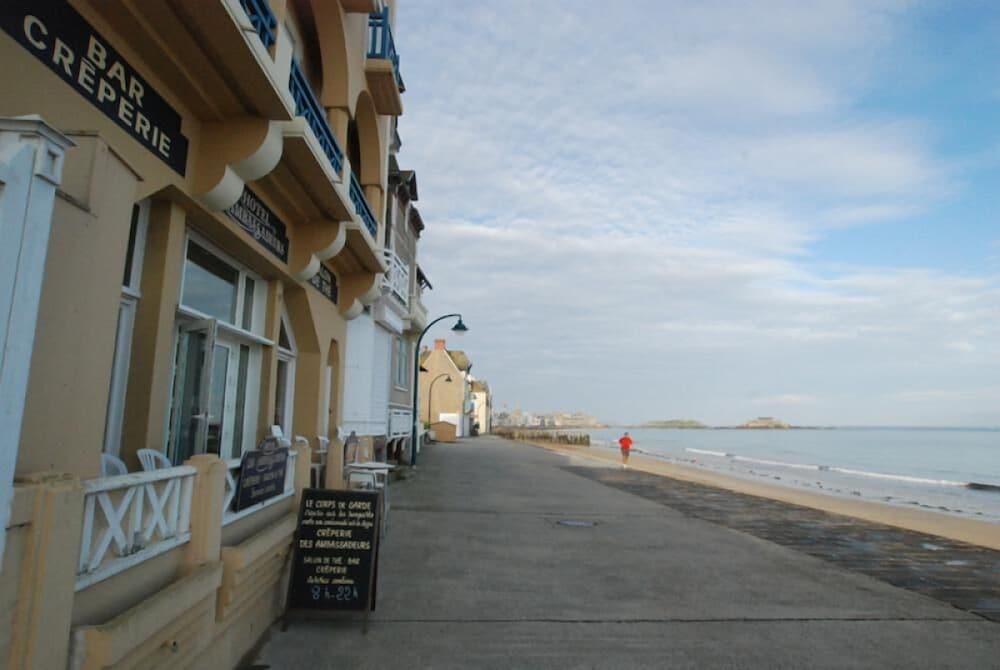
[674, 423]
[766, 422]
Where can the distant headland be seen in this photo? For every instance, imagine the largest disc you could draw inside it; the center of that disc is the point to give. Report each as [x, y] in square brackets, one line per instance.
[674, 423]
[759, 423]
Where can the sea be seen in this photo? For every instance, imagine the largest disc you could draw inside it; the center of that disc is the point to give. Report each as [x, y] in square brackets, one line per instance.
[950, 470]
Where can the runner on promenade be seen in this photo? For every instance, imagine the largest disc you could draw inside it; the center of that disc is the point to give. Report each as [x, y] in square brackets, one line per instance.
[625, 442]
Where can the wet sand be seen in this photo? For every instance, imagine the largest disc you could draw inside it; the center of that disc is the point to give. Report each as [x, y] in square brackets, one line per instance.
[973, 531]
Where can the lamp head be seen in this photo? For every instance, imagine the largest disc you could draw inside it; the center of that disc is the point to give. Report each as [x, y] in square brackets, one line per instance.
[460, 327]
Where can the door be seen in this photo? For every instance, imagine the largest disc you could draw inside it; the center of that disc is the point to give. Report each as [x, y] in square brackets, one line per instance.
[191, 405]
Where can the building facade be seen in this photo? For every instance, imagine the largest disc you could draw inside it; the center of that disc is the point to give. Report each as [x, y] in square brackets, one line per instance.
[379, 376]
[482, 407]
[446, 388]
[221, 201]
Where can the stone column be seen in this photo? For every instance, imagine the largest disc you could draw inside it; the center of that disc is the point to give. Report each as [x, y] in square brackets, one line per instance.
[206, 511]
[42, 616]
[150, 374]
[338, 119]
[303, 468]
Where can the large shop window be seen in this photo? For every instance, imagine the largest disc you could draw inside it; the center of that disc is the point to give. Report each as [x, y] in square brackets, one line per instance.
[131, 278]
[284, 390]
[217, 365]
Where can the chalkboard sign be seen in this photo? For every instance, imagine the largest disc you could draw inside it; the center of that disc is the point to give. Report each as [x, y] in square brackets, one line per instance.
[335, 561]
[262, 475]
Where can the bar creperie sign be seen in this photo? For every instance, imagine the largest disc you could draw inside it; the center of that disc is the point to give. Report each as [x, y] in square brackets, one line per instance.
[56, 34]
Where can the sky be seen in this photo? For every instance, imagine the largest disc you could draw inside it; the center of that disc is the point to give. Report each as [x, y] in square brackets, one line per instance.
[714, 210]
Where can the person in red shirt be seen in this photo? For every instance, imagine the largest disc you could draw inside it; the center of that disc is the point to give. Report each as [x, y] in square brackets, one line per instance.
[625, 442]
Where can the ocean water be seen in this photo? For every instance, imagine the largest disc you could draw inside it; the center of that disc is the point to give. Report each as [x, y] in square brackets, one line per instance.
[956, 471]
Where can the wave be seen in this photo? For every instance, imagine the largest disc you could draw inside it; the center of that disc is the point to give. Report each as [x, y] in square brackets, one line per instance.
[978, 486]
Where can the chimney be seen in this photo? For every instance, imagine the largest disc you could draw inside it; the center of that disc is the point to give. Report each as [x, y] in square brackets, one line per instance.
[439, 344]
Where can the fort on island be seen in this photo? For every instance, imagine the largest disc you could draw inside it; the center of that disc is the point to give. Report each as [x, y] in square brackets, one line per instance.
[765, 422]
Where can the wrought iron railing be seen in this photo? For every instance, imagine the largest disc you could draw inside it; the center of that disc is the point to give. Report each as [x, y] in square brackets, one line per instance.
[381, 44]
[362, 207]
[264, 22]
[308, 107]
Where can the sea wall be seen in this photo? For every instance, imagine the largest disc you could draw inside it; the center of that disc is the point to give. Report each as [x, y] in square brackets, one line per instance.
[552, 436]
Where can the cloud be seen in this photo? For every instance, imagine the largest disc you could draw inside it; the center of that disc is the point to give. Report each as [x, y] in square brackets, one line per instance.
[624, 206]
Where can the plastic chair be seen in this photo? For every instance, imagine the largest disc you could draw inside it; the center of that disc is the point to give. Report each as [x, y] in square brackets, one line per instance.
[112, 466]
[151, 459]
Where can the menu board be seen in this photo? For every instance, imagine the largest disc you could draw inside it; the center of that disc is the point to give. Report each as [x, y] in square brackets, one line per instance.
[262, 475]
[335, 560]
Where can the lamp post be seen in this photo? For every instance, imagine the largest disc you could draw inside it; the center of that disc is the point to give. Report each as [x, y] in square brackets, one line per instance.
[459, 329]
[430, 394]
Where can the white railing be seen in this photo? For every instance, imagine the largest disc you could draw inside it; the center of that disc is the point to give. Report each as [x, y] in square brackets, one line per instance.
[131, 518]
[233, 473]
[397, 277]
[399, 423]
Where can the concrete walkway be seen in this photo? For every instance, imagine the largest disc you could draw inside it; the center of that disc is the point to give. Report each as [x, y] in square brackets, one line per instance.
[476, 572]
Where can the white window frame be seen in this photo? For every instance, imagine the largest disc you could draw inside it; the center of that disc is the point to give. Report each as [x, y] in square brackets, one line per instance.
[255, 334]
[118, 385]
[287, 356]
[400, 378]
[236, 334]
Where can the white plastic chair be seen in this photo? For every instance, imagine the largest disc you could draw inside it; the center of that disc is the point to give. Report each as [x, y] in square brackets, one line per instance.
[151, 459]
[112, 466]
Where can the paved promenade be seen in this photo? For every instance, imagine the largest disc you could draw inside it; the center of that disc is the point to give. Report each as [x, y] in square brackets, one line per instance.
[477, 571]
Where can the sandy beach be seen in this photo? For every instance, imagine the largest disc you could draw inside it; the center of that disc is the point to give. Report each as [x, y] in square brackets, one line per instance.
[973, 531]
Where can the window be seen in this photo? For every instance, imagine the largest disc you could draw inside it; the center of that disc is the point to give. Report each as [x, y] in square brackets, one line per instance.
[131, 279]
[402, 363]
[284, 388]
[210, 284]
[218, 358]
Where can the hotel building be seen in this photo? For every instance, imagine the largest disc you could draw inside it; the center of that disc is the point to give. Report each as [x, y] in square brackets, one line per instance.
[201, 210]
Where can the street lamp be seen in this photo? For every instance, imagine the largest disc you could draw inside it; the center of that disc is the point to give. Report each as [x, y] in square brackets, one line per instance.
[430, 393]
[458, 329]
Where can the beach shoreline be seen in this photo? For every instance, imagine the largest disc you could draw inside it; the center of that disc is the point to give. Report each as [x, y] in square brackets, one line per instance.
[973, 531]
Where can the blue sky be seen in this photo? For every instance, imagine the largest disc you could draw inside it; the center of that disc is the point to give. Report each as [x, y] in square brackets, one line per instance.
[715, 210]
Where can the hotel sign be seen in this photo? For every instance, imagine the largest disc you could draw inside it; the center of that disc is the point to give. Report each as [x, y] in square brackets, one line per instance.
[326, 283]
[55, 33]
[261, 223]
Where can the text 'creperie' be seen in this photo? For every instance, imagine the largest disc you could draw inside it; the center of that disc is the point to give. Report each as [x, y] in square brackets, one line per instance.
[110, 82]
[58, 36]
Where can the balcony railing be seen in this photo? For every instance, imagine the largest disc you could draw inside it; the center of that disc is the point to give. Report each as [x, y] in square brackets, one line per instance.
[381, 44]
[263, 21]
[308, 107]
[128, 519]
[397, 277]
[362, 207]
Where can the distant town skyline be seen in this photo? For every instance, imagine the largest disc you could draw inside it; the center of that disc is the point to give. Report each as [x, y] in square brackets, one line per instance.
[716, 210]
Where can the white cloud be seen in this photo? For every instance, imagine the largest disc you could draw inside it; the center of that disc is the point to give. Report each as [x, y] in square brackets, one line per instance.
[623, 204]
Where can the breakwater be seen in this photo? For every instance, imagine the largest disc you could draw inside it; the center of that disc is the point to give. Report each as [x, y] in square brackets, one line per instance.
[553, 436]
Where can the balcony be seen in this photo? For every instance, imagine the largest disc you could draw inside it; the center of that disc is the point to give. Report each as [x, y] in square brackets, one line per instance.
[263, 21]
[308, 107]
[362, 208]
[215, 56]
[397, 278]
[382, 66]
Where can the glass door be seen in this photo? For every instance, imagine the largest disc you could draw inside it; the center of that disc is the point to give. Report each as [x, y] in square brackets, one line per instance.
[192, 395]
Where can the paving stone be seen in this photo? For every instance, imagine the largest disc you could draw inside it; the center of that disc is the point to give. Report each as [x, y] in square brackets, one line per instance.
[962, 575]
